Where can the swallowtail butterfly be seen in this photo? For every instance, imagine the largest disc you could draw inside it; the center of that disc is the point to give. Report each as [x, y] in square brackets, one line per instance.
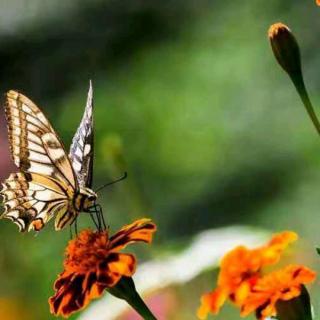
[49, 182]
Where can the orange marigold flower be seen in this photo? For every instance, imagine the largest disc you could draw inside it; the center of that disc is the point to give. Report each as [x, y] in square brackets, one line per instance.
[284, 284]
[239, 271]
[318, 2]
[93, 263]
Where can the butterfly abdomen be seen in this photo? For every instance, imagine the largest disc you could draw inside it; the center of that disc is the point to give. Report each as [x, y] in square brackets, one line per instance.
[78, 201]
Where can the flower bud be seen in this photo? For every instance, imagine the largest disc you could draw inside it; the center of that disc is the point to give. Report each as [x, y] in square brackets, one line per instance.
[285, 48]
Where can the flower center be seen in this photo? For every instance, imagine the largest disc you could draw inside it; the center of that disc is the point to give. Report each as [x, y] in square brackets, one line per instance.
[87, 251]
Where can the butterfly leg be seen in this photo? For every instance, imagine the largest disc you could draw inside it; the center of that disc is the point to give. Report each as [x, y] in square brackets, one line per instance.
[76, 226]
[70, 229]
[92, 212]
[98, 217]
[100, 213]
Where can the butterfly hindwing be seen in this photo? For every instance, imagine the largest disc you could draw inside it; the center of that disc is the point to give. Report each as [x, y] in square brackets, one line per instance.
[34, 145]
[81, 150]
[30, 200]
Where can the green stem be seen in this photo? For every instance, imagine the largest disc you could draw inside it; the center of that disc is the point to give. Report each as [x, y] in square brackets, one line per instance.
[138, 304]
[126, 290]
[297, 79]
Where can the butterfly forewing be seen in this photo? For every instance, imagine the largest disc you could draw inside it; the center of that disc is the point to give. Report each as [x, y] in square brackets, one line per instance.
[47, 183]
[34, 145]
[81, 150]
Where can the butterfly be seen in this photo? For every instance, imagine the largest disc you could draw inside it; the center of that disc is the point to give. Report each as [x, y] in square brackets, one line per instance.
[50, 183]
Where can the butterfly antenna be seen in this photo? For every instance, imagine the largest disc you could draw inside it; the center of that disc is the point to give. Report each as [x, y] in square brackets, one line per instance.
[125, 175]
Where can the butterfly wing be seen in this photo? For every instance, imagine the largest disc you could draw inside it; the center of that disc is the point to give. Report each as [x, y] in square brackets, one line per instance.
[31, 200]
[46, 170]
[81, 150]
[34, 145]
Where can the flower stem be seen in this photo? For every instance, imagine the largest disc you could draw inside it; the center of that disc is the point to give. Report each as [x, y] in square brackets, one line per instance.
[297, 80]
[126, 290]
[139, 305]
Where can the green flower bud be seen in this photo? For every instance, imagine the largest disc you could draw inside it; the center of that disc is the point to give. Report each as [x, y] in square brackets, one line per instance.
[285, 48]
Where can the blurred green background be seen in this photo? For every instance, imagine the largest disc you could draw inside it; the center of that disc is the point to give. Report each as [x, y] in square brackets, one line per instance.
[190, 101]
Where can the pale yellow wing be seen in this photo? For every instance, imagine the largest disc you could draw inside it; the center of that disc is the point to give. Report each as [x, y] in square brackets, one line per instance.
[34, 145]
[47, 183]
[31, 200]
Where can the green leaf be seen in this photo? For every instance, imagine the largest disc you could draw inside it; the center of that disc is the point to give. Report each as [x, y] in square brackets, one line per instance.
[318, 251]
[298, 308]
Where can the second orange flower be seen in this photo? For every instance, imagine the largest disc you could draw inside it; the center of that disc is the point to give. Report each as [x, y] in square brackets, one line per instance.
[241, 281]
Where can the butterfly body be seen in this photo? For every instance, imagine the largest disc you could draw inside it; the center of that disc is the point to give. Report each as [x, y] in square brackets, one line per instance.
[49, 182]
[85, 199]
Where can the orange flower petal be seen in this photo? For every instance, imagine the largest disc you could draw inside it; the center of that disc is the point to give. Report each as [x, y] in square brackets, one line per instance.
[283, 238]
[106, 278]
[291, 275]
[68, 298]
[268, 311]
[252, 304]
[271, 253]
[140, 230]
[242, 292]
[211, 302]
[124, 264]
[75, 295]
[63, 278]
[283, 284]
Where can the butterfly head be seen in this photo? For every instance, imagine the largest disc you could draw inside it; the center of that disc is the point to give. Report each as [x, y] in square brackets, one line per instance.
[89, 198]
